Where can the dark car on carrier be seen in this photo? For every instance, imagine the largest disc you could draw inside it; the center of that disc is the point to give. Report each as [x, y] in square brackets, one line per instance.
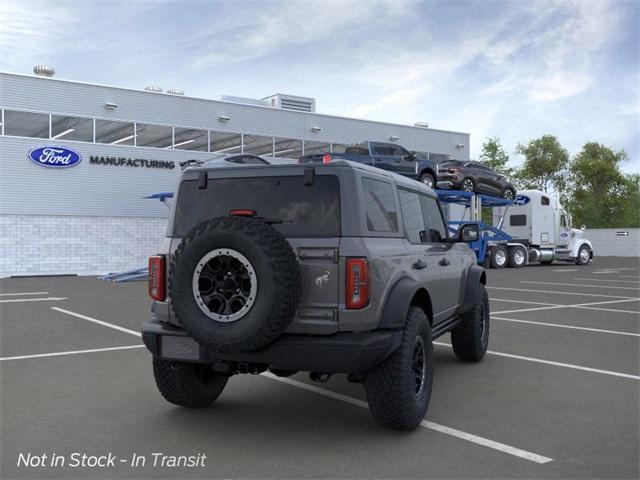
[472, 176]
[321, 268]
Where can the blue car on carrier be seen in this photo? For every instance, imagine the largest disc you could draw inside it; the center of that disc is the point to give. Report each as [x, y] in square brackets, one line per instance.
[387, 156]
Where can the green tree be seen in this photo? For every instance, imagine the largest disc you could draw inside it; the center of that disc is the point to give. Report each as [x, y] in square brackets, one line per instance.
[495, 157]
[545, 164]
[599, 194]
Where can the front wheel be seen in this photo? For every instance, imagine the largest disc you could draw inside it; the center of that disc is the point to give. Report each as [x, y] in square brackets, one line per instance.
[584, 255]
[468, 185]
[399, 388]
[470, 338]
[428, 179]
[509, 194]
[191, 385]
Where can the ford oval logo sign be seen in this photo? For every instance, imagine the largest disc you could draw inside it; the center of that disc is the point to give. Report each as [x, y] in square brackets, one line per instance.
[55, 157]
[521, 200]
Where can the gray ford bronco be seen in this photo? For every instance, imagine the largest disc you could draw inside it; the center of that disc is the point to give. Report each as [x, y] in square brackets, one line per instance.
[330, 268]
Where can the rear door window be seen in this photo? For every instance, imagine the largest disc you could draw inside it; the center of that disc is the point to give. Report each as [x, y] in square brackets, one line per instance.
[303, 210]
[436, 229]
[380, 206]
[412, 217]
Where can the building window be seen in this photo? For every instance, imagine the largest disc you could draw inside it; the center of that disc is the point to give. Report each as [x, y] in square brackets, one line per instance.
[338, 148]
[316, 148]
[190, 139]
[287, 148]
[114, 133]
[380, 206]
[225, 142]
[258, 145]
[71, 128]
[26, 124]
[157, 136]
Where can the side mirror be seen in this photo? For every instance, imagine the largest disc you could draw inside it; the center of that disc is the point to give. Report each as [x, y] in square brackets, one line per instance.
[411, 156]
[469, 232]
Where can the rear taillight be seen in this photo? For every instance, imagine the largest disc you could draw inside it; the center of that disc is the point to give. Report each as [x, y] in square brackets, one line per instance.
[157, 270]
[357, 294]
[326, 158]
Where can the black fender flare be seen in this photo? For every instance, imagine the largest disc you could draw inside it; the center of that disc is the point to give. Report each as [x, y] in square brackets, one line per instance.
[398, 301]
[475, 276]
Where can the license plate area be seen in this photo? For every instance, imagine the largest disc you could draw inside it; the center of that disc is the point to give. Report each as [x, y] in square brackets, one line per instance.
[179, 348]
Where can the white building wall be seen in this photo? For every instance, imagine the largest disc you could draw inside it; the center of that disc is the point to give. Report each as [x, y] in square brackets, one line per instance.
[83, 245]
[611, 242]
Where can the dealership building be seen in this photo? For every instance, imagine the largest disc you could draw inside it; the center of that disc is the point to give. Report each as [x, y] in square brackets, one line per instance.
[77, 160]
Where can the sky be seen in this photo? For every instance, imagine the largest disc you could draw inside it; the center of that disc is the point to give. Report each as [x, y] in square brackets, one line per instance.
[515, 70]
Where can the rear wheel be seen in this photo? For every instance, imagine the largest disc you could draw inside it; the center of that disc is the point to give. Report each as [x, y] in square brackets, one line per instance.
[468, 185]
[517, 257]
[428, 179]
[499, 256]
[190, 385]
[399, 389]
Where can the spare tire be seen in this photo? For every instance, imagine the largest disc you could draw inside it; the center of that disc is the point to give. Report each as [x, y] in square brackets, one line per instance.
[234, 283]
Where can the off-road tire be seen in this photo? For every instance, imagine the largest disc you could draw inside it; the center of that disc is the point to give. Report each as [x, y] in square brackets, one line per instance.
[512, 261]
[469, 339]
[390, 386]
[425, 177]
[494, 258]
[189, 385]
[276, 269]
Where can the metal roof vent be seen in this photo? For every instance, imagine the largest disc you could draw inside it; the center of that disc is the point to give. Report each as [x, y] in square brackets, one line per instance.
[292, 102]
[44, 71]
[175, 91]
[153, 88]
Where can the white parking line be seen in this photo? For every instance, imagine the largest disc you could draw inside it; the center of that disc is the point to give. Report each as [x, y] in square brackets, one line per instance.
[19, 300]
[567, 270]
[72, 352]
[630, 276]
[485, 442]
[582, 285]
[528, 290]
[605, 280]
[522, 301]
[577, 305]
[22, 293]
[99, 322]
[555, 364]
[572, 327]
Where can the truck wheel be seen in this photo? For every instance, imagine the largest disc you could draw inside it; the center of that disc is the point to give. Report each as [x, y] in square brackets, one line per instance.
[468, 185]
[517, 257]
[190, 385]
[428, 180]
[234, 284]
[584, 255]
[399, 389]
[499, 257]
[470, 338]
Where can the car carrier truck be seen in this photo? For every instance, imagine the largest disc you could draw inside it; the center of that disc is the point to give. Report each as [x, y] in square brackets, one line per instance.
[532, 228]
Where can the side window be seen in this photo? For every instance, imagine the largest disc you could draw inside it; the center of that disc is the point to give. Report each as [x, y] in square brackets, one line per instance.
[399, 151]
[517, 220]
[563, 221]
[380, 206]
[436, 229]
[544, 201]
[412, 216]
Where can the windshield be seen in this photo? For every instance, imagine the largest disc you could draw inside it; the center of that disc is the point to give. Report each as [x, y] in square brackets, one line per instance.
[304, 210]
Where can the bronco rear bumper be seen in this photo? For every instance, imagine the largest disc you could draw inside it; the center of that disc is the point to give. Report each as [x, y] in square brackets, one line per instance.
[338, 353]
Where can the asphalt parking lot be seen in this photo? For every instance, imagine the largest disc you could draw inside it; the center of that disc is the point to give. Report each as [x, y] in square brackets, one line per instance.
[557, 395]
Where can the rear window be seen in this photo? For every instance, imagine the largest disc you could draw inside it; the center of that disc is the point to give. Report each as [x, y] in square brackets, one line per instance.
[450, 163]
[306, 210]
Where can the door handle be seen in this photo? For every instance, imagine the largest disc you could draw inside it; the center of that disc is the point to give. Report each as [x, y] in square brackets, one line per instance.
[419, 265]
[444, 262]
